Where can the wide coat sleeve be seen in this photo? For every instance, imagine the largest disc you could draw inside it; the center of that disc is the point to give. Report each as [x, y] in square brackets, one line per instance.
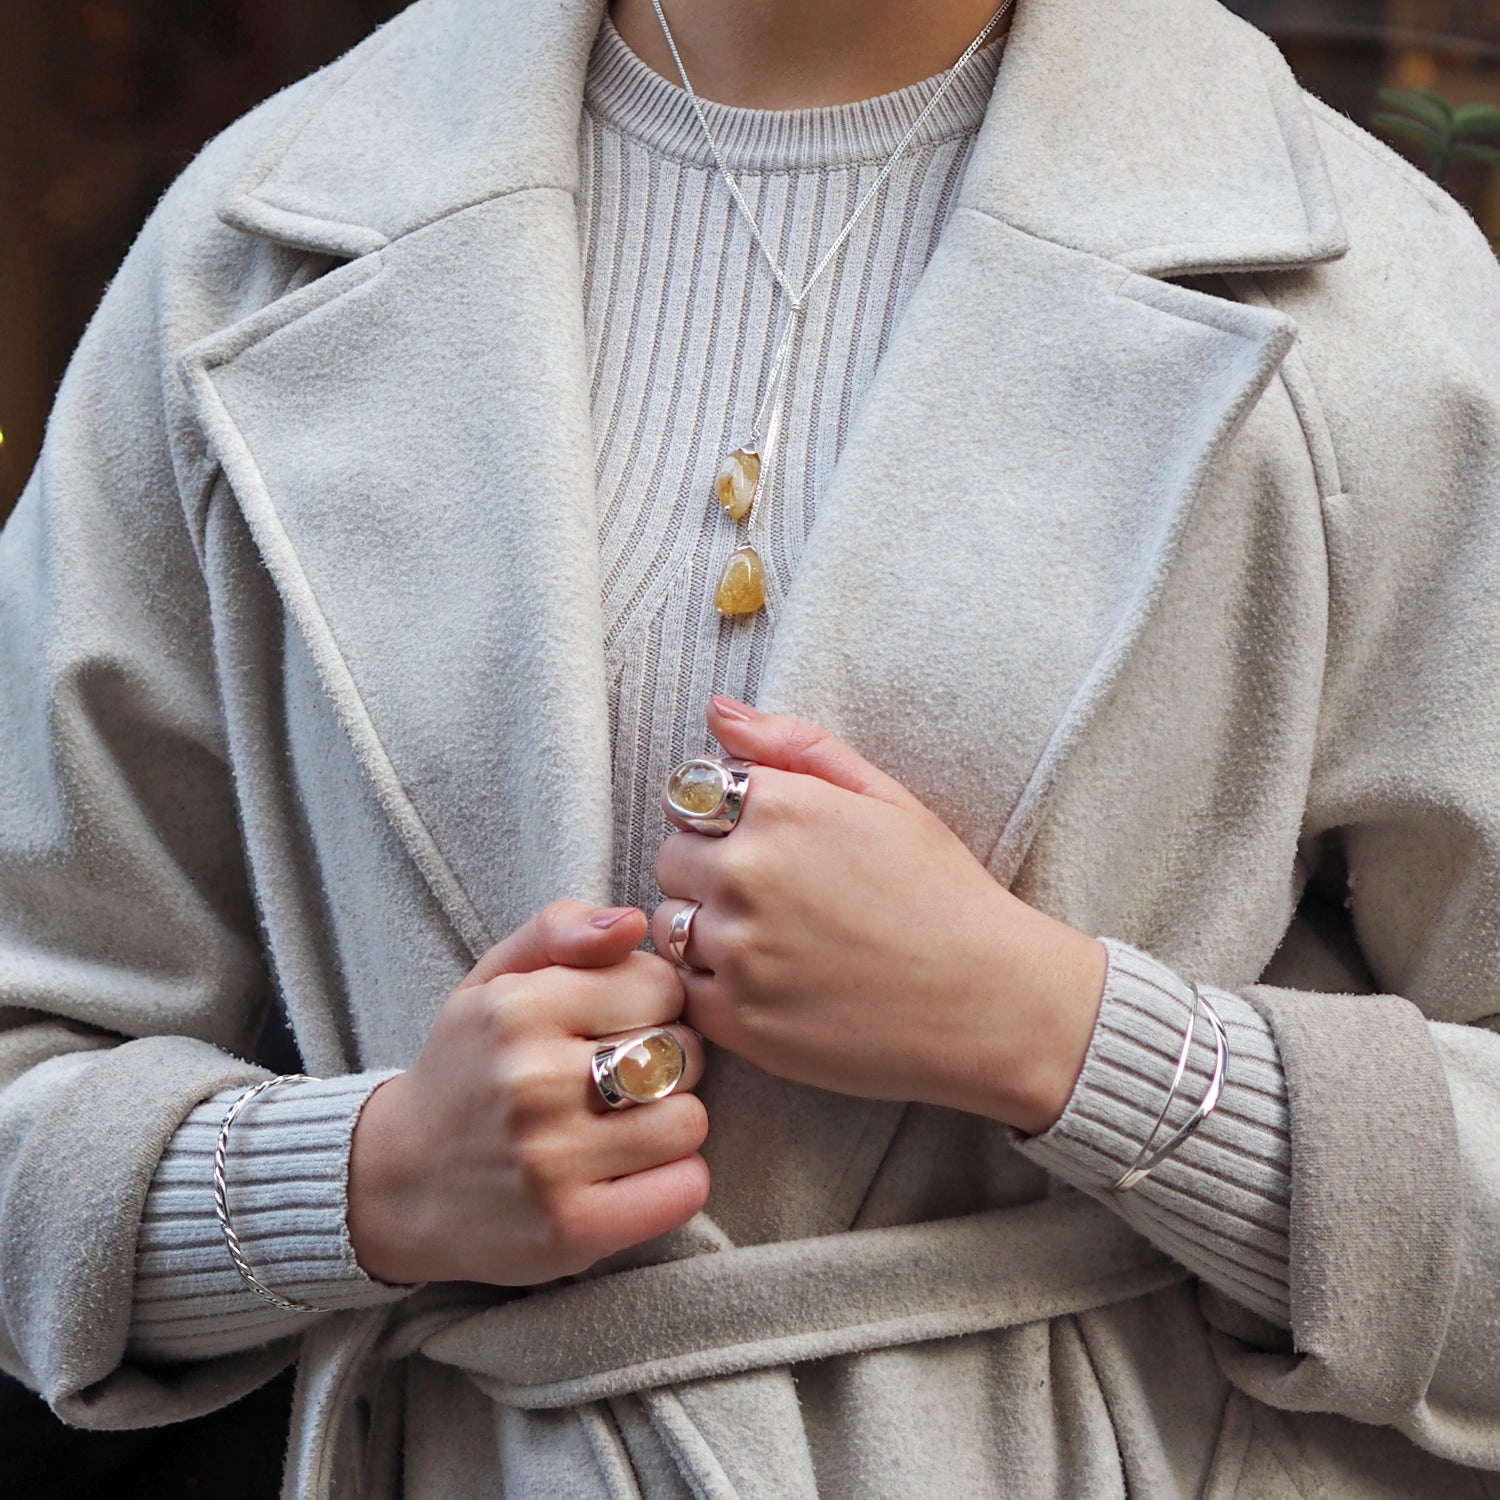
[132, 978]
[1395, 1096]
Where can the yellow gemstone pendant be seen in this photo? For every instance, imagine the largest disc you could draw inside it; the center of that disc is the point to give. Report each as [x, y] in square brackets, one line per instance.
[742, 584]
[737, 481]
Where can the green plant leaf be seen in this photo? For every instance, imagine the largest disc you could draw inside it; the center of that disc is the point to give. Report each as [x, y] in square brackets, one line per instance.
[1436, 100]
[1473, 151]
[1413, 129]
[1432, 109]
[1476, 119]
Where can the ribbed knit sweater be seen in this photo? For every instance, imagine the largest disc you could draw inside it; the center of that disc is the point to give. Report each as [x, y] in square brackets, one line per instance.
[682, 320]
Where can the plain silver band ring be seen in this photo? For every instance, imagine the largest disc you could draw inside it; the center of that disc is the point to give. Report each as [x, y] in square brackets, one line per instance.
[680, 932]
[605, 1068]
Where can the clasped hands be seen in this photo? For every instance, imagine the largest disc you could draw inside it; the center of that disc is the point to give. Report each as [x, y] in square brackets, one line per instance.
[846, 939]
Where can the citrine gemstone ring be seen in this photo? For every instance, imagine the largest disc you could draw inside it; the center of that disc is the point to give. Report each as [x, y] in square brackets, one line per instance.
[638, 1069]
[706, 795]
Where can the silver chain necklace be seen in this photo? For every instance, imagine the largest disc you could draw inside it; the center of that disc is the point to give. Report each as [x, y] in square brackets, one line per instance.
[743, 474]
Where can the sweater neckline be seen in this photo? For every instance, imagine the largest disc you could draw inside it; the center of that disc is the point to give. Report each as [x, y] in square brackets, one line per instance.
[623, 92]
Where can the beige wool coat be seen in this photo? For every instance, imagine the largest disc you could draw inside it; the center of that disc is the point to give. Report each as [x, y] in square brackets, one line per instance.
[1163, 562]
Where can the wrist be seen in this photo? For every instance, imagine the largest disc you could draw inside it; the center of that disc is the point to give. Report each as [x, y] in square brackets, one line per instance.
[1042, 1007]
[377, 1217]
[1073, 990]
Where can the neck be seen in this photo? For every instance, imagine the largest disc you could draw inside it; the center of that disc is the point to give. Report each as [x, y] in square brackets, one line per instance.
[803, 54]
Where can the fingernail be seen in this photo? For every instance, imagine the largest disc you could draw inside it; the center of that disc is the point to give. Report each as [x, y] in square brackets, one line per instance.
[609, 915]
[732, 708]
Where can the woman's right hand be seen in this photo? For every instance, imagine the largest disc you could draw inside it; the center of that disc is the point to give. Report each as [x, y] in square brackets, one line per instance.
[493, 1157]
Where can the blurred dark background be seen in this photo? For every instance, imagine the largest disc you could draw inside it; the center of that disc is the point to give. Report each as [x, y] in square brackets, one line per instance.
[103, 102]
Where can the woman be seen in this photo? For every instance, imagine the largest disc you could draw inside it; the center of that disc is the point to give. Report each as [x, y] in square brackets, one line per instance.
[1127, 531]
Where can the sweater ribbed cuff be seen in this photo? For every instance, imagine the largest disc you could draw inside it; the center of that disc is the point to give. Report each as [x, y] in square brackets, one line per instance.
[287, 1175]
[1220, 1202]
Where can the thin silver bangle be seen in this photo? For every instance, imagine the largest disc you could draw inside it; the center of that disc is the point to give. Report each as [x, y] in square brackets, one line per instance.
[1147, 1160]
[221, 1197]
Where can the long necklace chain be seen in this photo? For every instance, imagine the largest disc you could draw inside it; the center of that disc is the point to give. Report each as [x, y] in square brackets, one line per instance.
[744, 473]
[795, 299]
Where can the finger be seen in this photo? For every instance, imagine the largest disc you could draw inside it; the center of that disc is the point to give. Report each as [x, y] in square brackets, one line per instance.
[635, 1140]
[629, 1210]
[792, 744]
[565, 932]
[636, 994]
[687, 867]
[711, 1011]
[692, 1071]
[661, 934]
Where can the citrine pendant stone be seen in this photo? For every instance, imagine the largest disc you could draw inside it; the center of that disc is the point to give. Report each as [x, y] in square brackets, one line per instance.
[742, 584]
[736, 482]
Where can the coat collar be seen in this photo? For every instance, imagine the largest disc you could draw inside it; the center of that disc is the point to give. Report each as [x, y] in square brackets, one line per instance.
[1166, 135]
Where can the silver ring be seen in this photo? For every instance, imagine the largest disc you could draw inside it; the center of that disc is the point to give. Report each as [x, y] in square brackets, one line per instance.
[706, 795]
[638, 1069]
[680, 932]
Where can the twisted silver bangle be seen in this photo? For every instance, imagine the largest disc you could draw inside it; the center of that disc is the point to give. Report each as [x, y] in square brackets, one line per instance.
[1148, 1160]
[221, 1197]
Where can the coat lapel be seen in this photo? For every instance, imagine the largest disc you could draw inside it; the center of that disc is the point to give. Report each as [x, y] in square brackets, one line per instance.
[1012, 493]
[409, 436]
[1004, 514]
[410, 445]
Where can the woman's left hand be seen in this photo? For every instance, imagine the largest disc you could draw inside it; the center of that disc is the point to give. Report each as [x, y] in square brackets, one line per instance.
[847, 939]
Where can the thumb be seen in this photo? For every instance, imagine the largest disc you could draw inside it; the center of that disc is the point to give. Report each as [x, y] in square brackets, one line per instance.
[566, 932]
[792, 744]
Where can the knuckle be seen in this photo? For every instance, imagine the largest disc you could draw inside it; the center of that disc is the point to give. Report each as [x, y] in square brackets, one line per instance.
[529, 1002]
[536, 1161]
[735, 942]
[483, 1019]
[804, 736]
[653, 977]
[467, 1009]
[552, 921]
[498, 999]
[552, 913]
[751, 1027]
[548, 921]
[759, 1036]
[531, 1090]
[746, 868]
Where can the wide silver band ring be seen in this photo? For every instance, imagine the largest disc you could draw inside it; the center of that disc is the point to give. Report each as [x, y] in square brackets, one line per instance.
[680, 932]
[638, 1069]
[706, 795]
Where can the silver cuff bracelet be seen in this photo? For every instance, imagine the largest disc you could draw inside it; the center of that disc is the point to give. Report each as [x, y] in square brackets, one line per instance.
[221, 1197]
[1146, 1159]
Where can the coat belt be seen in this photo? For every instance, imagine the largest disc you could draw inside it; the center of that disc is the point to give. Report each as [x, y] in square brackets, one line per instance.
[729, 1311]
[776, 1304]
